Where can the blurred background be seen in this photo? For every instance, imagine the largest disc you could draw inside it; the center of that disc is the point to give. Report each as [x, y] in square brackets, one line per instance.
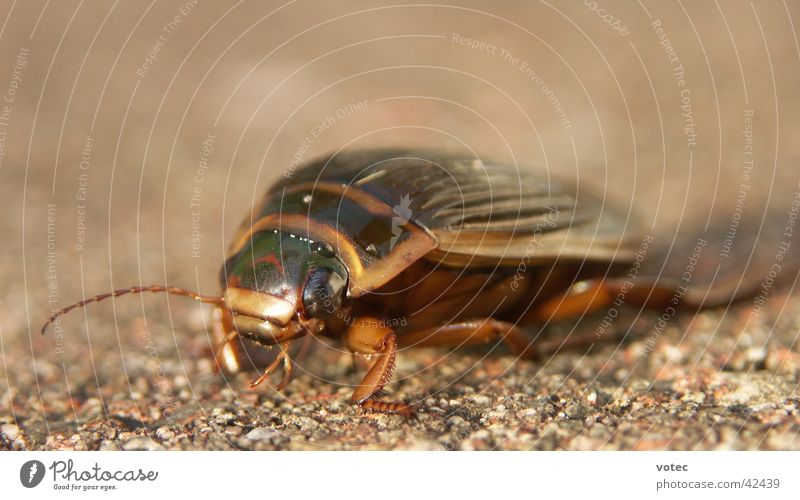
[135, 136]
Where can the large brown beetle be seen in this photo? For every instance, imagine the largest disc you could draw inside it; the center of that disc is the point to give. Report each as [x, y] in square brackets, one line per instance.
[387, 249]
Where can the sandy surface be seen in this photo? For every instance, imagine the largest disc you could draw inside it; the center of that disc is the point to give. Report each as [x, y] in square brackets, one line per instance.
[131, 149]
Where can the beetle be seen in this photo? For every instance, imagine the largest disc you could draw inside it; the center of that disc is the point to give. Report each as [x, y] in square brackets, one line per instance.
[387, 249]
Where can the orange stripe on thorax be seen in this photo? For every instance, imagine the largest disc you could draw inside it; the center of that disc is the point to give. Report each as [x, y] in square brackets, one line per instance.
[363, 276]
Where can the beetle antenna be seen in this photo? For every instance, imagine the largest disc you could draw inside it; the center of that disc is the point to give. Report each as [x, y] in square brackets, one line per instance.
[174, 290]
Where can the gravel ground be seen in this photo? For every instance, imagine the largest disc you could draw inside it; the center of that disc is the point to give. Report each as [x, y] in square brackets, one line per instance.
[695, 390]
[103, 146]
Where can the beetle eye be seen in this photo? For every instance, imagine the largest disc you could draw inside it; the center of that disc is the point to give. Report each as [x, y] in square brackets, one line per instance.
[323, 293]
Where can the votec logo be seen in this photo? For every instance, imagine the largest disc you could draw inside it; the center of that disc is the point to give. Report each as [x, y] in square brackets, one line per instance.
[31, 473]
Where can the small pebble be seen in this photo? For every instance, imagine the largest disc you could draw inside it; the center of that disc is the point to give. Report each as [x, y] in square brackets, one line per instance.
[262, 434]
[10, 431]
[141, 443]
[164, 433]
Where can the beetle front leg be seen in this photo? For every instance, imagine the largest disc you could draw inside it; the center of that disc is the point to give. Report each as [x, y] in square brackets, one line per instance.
[370, 336]
[284, 358]
[232, 354]
[227, 351]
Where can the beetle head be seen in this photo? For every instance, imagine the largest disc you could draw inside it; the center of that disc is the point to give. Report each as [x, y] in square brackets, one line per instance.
[281, 286]
[277, 288]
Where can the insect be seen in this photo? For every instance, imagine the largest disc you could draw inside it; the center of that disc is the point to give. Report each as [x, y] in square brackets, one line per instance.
[391, 249]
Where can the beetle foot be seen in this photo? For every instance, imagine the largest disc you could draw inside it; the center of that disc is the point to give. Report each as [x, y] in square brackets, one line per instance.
[389, 407]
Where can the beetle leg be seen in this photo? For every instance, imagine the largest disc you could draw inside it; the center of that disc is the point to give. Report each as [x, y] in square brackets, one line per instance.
[304, 348]
[379, 374]
[287, 371]
[584, 297]
[371, 336]
[227, 353]
[471, 332]
[271, 368]
[592, 295]
[388, 407]
[220, 354]
[287, 365]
